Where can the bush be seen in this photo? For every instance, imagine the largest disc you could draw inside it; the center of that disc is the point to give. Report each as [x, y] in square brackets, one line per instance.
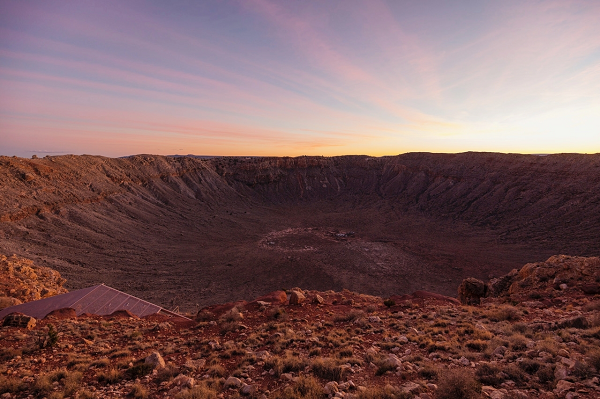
[546, 374]
[11, 385]
[488, 374]
[530, 366]
[109, 377]
[477, 345]
[504, 313]
[138, 392]
[139, 370]
[457, 384]
[595, 359]
[327, 369]
[350, 316]
[389, 303]
[305, 388]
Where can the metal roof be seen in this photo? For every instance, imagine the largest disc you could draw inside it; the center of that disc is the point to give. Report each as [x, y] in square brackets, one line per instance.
[100, 300]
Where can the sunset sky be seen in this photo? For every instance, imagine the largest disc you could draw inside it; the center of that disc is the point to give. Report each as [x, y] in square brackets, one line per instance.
[259, 77]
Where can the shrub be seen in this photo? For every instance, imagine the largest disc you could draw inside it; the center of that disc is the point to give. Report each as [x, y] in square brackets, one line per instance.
[488, 374]
[167, 373]
[518, 343]
[11, 385]
[389, 303]
[582, 370]
[546, 374]
[7, 354]
[327, 369]
[350, 316]
[139, 370]
[217, 371]
[477, 345]
[595, 359]
[138, 392]
[530, 366]
[277, 313]
[305, 388]
[457, 384]
[110, 376]
[504, 313]
[232, 315]
[428, 373]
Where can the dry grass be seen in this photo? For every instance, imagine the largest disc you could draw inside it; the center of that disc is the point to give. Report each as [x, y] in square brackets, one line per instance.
[387, 392]
[503, 313]
[305, 388]
[327, 369]
[457, 384]
[138, 392]
[109, 377]
[350, 316]
[11, 385]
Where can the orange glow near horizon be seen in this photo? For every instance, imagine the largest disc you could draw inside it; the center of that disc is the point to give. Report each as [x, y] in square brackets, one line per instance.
[266, 78]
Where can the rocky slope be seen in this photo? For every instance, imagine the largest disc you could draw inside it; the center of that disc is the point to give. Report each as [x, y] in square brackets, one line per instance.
[23, 281]
[184, 231]
[309, 344]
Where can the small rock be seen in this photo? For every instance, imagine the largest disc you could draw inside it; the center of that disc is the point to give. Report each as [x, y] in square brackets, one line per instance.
[296, 298]
[560, 373]
[233, 382]
[184, 381]
[318, 299]
[411, 387]
[562, 386]
[331, 388]
[248, 390]
[464, 361]
[500, 351]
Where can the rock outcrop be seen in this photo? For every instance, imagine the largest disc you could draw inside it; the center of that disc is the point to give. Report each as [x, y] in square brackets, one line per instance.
[24, 281]
[471, 291]
[560, 274]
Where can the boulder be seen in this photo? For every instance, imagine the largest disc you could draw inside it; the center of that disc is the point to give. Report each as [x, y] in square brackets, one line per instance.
[296, 298]
[19, 320]
[156, 360]
[248, 390]
[591, 289]
[471, 291]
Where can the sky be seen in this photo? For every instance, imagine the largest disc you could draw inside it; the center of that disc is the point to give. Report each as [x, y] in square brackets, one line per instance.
[290, 78]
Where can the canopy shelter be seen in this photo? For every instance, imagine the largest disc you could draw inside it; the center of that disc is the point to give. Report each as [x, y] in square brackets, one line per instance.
[99, 299]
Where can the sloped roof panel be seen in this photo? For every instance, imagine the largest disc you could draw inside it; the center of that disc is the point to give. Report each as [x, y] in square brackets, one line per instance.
[99, 299]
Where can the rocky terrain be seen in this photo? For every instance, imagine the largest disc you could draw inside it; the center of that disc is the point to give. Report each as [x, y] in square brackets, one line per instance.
[185, 232]
[533, 333]
[23, 281]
